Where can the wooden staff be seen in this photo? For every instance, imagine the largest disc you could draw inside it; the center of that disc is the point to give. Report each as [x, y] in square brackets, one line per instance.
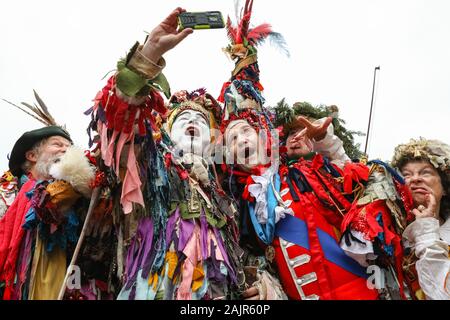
[370, 114]
[92, 204]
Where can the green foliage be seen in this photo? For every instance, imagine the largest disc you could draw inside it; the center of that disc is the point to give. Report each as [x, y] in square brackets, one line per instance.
[285, 116]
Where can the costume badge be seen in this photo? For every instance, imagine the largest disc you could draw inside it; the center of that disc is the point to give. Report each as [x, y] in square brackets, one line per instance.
[270, 253]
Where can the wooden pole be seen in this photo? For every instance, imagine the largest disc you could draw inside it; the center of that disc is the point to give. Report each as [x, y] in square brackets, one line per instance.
[92, 204]
[370, 114]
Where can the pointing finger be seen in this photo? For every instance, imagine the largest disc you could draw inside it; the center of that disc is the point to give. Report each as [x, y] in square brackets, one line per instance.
[327, 122]
[432, 203]
[304, 122]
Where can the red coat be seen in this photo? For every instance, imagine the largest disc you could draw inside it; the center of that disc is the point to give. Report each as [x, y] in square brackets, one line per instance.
[310, 262]
[11, 235]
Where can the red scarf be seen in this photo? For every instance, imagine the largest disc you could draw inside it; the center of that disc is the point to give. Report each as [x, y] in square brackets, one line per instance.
[11, 235]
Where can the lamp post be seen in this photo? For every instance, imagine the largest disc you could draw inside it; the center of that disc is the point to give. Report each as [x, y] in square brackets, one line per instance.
[371, 108]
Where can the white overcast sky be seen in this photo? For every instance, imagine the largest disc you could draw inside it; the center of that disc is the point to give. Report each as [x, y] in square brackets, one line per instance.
[64, 48]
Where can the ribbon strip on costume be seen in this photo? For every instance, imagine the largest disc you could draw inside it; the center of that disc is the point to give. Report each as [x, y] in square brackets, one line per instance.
[295, 231]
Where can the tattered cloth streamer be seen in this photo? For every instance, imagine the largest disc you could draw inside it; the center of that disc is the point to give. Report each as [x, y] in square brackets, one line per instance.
[374, 221]
[203, 244]
[55, 227]
[138, 253]
[199, 248]
[23, 266]
[314, 176]
[354, 172]
[157, 194]
[119, 117]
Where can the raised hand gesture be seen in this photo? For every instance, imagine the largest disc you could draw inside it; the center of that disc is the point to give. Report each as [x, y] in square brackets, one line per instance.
[429, 209]
[313, 130]
[164, 37]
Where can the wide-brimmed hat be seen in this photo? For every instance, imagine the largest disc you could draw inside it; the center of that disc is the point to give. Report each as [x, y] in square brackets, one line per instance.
[26, 143]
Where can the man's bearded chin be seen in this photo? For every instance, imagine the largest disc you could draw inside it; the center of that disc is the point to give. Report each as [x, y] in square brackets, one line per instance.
[44, 164]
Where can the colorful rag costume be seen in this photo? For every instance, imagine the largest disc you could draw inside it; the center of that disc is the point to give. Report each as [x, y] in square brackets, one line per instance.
[201, 253]
[11, 237]
[373, 226]
[417, 266]
[133, 203]
[41, 225]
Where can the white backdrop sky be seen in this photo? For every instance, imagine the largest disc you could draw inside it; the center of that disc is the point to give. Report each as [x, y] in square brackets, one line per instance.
[64, 48]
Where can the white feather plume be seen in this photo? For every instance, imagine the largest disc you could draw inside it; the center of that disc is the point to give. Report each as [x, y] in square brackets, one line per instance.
[76, 169]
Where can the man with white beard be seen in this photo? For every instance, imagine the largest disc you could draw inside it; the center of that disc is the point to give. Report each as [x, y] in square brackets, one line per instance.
[39, 224]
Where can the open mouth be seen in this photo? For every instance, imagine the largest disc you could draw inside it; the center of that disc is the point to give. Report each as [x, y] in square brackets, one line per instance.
[296, 147]
[248, 152]
[192, 131]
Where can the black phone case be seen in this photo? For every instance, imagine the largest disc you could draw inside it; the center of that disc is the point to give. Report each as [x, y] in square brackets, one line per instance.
[201, 20]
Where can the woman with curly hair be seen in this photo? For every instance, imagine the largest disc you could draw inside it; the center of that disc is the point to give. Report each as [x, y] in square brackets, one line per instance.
[425, 165]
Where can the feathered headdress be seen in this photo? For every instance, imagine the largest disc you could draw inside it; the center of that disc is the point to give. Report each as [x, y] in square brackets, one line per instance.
[243, 91]
[38, 111]
[41, 113]
[244, 39]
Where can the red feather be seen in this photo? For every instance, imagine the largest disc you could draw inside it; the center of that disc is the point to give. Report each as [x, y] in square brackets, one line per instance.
[232, 31]
[244, 24]
[243, 27]
[259, 33]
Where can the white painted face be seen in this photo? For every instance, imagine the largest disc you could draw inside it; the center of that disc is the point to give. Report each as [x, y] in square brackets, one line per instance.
[191, 133]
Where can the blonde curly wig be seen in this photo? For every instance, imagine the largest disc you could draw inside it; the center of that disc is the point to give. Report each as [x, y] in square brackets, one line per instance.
[435, 152]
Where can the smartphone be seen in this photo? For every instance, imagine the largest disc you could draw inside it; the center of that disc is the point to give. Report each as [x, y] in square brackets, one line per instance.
[201, 20]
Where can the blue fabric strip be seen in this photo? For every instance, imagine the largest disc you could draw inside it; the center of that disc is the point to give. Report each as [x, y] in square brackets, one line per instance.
[294, 230]
[266, 232]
